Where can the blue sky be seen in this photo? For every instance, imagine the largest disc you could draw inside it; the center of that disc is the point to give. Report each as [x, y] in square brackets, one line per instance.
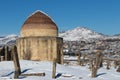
[103, 16]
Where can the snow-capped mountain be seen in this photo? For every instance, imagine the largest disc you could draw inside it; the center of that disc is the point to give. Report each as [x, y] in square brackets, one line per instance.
[9, 40]
[80, 33]
[76, 34]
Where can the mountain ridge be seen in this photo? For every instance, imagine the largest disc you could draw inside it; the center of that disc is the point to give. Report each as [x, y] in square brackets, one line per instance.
[8, 40]
[81, 33]
[76, 34]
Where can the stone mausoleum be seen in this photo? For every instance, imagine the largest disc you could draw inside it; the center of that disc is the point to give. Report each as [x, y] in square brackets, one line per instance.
[39, 39]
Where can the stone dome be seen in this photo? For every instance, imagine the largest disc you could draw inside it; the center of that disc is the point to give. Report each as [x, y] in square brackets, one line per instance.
[39, 24]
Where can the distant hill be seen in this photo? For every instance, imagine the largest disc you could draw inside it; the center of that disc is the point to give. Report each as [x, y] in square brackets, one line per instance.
[9, 40]
[76, 34]
[81, 33]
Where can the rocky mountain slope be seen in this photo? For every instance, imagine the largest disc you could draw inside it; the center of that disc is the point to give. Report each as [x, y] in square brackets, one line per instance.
[76, 34]
[81, 33]
[9, 40]
[84, 34]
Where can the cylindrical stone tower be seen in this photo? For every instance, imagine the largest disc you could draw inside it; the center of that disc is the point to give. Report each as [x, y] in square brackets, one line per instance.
[39, 38]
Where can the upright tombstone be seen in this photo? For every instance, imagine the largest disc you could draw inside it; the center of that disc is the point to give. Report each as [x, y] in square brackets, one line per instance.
[90, 63]
[16, 62]
[118, 70]
[0, 53]
[54, 68]
[79, 56]
[83, 60]
[108, 65]
[98, 59]
[115, 64]
[2, 58]
[97, 64]
[7, 54]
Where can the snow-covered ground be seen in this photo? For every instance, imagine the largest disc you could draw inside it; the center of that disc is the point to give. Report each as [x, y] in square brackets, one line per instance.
[73, 72]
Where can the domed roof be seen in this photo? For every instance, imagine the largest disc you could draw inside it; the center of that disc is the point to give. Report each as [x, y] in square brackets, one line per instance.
[39, 24]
